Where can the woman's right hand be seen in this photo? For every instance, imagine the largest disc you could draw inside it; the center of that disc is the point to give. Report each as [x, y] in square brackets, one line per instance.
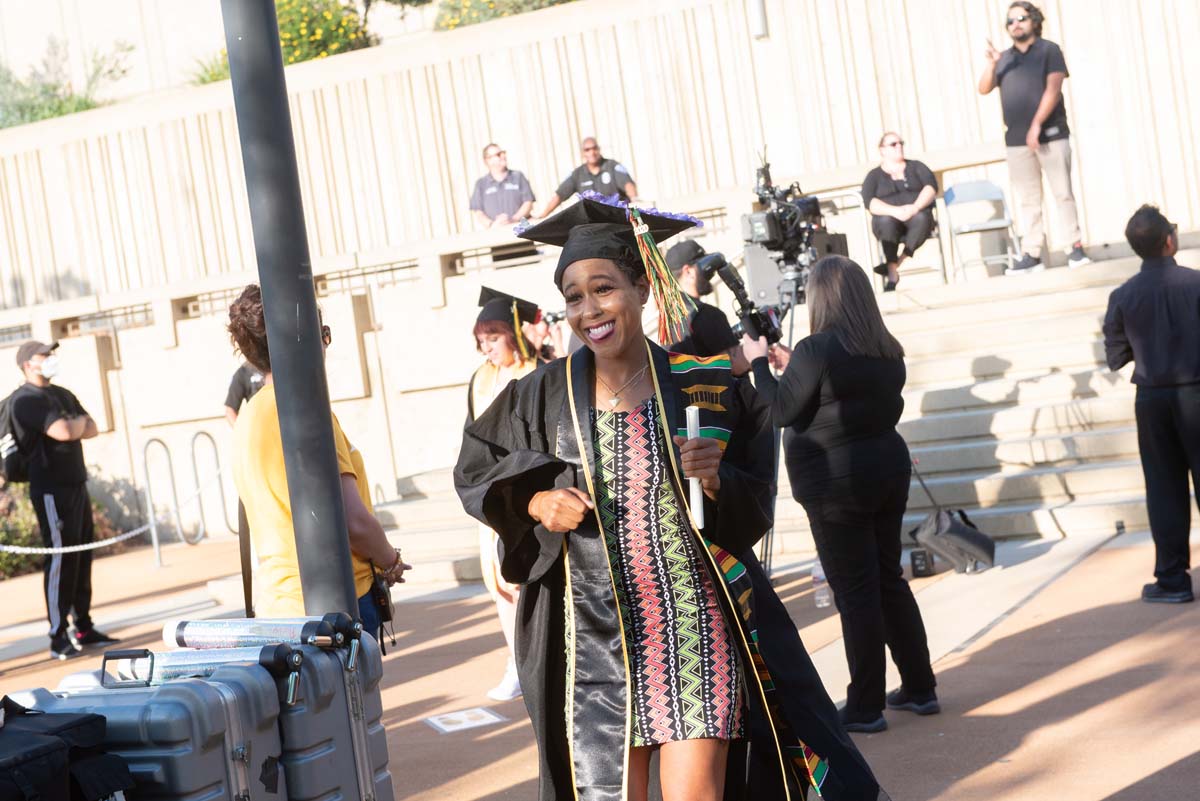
[779, 357]
[754, 348]
[560, 510]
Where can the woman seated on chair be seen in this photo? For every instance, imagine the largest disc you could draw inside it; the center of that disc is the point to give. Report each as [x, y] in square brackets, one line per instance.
[899, 194]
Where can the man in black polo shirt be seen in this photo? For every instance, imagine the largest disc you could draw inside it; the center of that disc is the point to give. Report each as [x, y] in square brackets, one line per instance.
[49, 423]
[1153, 320]
[1030, 75]
[596, 174]
[502, 196]
[709, 331]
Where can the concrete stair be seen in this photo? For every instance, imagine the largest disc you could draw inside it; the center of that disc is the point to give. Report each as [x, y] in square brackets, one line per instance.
[1009, 411]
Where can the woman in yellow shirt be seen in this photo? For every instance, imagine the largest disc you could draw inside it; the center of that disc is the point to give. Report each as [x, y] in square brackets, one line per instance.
[258, 473]
[508, 355]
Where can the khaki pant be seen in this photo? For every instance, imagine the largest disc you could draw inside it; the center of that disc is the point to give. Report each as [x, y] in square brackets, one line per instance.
[1025, 168]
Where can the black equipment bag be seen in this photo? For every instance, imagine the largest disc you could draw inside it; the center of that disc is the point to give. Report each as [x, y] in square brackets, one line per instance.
[33, 767]
[950, 534]
[14, 463]
[91, 774]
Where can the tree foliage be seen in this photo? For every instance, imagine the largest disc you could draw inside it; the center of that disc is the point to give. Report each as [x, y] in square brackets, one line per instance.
[47, 91]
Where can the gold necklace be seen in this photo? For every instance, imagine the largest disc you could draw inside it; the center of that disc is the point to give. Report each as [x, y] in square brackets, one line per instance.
[616, 394]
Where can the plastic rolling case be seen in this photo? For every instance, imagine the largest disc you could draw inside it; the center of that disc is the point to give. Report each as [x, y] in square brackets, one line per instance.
[215, 738]
[334, 743]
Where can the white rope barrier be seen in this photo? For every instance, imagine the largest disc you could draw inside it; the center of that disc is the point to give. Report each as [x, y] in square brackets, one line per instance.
[21, 549]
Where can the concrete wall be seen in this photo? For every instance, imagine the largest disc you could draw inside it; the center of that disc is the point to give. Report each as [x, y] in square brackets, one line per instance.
[144, 202]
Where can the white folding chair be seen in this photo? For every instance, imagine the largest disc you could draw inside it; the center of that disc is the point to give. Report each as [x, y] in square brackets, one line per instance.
[977, 192]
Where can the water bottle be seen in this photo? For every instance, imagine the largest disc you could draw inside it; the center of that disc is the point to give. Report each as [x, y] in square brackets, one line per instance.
[822, 595]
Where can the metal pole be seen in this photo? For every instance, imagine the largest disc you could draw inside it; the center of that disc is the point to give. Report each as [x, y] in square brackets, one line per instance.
[290, 305]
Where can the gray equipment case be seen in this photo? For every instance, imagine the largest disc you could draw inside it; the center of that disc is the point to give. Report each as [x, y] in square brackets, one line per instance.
[215, 738]
[333, 736]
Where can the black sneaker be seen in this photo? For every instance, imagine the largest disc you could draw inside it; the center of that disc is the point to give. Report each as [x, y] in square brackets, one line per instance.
[863, 726]
[62, 648]
[1026, 265]
[92, 636]
[1077, 258]
[921, 703]
[1157, 594]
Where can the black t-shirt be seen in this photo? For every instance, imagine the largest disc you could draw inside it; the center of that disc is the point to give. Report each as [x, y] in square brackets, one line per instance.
[246, 381]
[611, 179]
[51, 463]
[879, 184]
[710, 334]
[1022, 80]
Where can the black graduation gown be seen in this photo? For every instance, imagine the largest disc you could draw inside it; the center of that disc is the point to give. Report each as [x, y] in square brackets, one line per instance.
[569, 645]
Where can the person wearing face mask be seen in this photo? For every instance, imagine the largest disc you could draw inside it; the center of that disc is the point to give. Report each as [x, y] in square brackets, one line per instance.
[509, 355]
[646, 627]
[50, 424]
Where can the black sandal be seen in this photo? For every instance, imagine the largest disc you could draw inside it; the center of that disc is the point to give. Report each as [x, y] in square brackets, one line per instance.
[890, 286]
[881, 268]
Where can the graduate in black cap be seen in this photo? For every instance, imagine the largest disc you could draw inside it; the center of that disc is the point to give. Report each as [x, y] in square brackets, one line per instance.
[509, 355]
[640, 631]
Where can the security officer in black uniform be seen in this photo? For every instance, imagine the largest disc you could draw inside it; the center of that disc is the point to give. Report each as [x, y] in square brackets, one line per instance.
[596, 174]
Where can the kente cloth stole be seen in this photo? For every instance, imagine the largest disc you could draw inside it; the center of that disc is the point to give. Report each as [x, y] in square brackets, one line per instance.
[688, 373]
[804, 759]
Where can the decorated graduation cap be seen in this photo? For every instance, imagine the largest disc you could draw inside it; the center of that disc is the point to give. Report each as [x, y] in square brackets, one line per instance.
[598, 227]
[502, 307]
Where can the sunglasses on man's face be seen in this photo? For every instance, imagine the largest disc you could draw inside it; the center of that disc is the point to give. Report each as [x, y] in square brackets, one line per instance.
[1015, 20]
[897, 143]
[496, 154]
[591, 148]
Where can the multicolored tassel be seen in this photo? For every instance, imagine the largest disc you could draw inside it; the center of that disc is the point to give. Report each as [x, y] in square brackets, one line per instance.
[674, 305]
[520, 335]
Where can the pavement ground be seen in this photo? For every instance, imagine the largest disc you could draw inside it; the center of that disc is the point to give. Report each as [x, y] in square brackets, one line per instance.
[1055, 680]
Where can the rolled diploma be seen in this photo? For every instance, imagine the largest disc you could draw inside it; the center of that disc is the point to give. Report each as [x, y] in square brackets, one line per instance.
[697, 491]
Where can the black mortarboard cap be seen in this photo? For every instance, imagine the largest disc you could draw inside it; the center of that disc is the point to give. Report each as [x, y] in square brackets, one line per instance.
[592, 229]
[497, 305]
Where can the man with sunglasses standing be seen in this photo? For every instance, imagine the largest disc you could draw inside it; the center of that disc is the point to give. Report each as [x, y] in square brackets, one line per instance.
[1030, 75]
[503, 196]
[595, 174]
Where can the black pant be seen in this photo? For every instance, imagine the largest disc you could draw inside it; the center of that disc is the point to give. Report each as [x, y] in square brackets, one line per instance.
[856, 525]
[891, 232]
[65, 517]
[1168, 424]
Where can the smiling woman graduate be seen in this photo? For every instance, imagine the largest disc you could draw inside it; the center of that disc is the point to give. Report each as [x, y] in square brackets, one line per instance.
[637, 632]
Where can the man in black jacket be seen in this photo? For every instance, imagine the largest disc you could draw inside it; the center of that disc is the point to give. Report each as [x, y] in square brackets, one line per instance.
[50, 424]
[1153, 320]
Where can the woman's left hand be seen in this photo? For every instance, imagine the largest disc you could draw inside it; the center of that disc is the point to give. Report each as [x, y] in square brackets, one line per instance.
[701, 458]
[754, 348]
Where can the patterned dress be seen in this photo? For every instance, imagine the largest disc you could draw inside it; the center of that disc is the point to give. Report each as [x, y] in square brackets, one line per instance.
[684, 672]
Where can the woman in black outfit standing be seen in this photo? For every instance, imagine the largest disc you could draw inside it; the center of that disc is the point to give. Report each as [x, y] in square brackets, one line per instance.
[838, 401]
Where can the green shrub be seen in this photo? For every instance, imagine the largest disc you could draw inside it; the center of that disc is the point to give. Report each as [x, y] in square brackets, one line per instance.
[48, 92]
[211, 70]
[308, 29]
[18, 526]
[457, 13]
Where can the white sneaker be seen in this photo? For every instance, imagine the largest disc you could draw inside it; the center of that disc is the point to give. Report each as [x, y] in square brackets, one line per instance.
[509, 686]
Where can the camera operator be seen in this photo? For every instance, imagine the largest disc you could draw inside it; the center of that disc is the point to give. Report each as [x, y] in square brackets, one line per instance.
[839, 400]
[710, 333]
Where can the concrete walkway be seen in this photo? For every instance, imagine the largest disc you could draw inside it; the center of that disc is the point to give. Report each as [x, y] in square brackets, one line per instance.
[1056, 681]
